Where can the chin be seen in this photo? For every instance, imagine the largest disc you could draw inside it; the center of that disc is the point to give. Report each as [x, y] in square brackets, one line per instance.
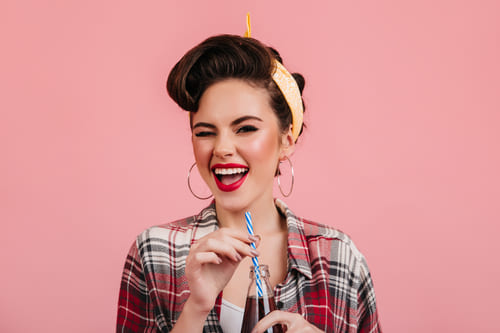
[233, 202]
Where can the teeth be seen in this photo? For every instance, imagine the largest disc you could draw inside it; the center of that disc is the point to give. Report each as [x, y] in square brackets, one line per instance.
[229, 171]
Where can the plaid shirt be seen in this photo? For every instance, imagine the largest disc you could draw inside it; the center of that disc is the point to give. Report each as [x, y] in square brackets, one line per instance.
[328, 280]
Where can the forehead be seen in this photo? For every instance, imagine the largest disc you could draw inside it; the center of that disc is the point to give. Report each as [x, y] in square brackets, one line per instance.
[232, 98]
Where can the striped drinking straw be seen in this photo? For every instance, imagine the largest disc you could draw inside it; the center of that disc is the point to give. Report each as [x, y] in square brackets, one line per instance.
[255, 261]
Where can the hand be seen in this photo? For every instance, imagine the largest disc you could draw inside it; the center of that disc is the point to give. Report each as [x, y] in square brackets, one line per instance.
[211, 263]
[294, 323]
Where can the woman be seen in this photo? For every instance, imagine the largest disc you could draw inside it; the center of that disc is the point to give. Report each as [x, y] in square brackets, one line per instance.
[192, 275]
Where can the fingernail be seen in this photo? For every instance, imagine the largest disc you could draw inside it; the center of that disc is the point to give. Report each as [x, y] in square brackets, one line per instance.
[255, 253]
[252, 238]
[238, 257]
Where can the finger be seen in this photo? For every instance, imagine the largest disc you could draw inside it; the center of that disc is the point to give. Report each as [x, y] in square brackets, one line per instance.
[274, 318]
[234, 238]
[221, 247]
[245, 249]
[242, 236]
[207, 258]
[238, 234]
[255, 239]
[294, 322]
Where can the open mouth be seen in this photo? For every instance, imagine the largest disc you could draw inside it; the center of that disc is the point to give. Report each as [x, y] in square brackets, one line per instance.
[228, 176]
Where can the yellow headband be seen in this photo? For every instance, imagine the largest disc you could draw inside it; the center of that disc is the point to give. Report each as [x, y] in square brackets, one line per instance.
[290, 90]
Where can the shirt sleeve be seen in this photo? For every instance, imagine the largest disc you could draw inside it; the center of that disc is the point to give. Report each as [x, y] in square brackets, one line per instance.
[368, 321]
[135, 313]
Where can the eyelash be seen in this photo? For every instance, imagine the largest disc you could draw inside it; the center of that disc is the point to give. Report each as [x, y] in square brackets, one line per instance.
[246, 129]
[243, 129]
[203, 134]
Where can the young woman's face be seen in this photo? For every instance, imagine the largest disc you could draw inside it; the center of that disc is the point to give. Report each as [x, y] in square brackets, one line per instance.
[237, 143]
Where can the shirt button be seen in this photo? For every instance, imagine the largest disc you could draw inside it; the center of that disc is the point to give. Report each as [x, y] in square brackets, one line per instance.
[279, 304]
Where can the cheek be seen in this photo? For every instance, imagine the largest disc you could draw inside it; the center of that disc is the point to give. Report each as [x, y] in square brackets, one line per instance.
[264, 148]
[202, 153]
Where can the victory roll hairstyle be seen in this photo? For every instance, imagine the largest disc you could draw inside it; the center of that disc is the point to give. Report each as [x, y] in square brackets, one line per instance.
[229, 57]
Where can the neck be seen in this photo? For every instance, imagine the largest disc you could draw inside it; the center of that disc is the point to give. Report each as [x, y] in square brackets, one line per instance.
[265, 217]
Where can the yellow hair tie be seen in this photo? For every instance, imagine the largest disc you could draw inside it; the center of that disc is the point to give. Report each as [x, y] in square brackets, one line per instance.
[248, 33]
[289, 88]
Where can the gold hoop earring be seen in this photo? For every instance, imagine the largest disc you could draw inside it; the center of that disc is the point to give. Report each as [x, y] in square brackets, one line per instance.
[293, 179]
[189, 184]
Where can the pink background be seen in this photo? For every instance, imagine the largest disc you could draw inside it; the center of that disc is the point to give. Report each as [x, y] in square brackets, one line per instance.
[401, 150]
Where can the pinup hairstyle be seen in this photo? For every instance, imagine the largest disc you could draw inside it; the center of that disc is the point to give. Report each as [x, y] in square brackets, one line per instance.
[223, 57]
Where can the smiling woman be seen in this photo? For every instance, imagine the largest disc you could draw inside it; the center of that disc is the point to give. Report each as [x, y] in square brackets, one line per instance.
[191, 275]
[237, 144]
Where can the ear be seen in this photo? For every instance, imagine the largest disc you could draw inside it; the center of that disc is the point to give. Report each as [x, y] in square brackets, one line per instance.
[287, 144]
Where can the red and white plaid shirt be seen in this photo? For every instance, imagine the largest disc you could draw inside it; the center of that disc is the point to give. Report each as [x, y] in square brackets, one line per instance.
[328, 280]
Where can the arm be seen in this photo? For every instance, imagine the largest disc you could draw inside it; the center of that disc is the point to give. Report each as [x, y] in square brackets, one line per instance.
[209, 266]
[134, 310]
[367, 309]
[192, 318]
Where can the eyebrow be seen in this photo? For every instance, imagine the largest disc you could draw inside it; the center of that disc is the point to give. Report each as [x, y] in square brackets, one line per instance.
[244, 118]
[233, 123]
[201, 124]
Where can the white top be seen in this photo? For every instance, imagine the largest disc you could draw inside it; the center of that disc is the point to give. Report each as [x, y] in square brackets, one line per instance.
[231, 317]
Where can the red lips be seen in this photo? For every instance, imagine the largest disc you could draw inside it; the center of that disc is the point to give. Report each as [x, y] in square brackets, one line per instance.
[233, 186]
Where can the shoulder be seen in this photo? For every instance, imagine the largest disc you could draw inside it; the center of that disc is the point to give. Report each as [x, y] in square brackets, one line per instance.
[318, 233]
[181, 232]
[324, 237]
[314, 229]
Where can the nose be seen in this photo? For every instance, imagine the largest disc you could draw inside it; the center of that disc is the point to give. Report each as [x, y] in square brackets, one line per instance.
[224, 147]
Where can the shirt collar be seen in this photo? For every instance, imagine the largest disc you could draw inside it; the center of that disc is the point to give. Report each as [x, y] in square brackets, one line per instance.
[298, 251]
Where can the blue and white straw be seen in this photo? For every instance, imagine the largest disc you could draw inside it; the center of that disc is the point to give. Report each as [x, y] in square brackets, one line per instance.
[255, 261]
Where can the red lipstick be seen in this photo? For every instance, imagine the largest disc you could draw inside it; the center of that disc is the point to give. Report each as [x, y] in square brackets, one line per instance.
[229, 187]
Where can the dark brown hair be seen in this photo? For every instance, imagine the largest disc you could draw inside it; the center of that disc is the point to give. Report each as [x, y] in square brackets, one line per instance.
[223, 57]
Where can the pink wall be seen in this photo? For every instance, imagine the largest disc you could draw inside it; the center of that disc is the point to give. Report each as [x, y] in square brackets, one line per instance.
[401, 150]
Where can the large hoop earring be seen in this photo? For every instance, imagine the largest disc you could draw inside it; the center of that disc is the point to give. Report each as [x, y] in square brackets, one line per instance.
[293, 178]
[189, 184]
